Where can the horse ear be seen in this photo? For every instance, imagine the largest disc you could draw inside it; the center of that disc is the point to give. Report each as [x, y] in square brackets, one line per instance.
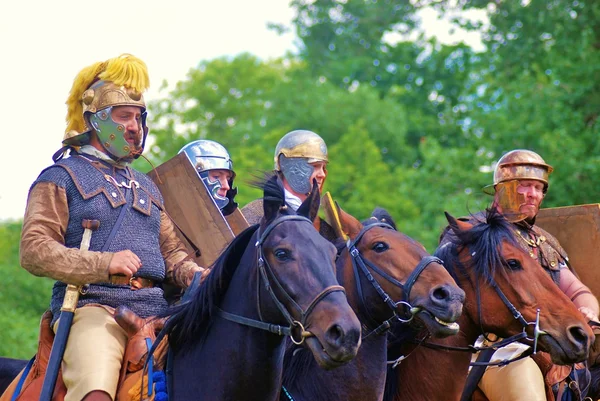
[270, 209]
[457, 224]
[272, 199]
[350, 225]
[310, 207]
[384, 216]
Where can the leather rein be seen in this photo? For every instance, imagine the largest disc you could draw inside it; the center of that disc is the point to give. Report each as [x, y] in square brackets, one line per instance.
[296, 329]
[362, 265]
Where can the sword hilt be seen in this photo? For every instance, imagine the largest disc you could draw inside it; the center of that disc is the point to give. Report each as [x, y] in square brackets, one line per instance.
[90, 224]
[72, 291]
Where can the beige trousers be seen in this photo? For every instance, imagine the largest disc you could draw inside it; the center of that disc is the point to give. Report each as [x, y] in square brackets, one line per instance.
[94, 353]
[519, 381]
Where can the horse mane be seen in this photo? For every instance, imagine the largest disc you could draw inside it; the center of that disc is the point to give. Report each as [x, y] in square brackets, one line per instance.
[271, 185]
[484, 241]
[188, 321]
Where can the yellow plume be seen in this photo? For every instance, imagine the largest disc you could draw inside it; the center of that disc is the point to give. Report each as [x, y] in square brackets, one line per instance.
[82, 82]
[125, 70]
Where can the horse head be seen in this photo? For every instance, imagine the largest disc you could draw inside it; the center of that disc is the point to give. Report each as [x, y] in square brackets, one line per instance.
[506, 287]
[395, 277]
[299, 265]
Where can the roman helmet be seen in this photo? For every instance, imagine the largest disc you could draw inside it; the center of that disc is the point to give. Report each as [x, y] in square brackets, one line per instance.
[293, 155]
[519, 164]
[96, 90]
[208, 155]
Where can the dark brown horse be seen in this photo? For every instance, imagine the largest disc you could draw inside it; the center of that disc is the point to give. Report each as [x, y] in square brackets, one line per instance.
[272, 282]
[388, 277]
[229, 342]
[486, 261]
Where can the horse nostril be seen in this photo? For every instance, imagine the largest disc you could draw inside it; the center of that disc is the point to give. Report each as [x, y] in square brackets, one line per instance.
[440, 293]
[335, 334]
[579, 335]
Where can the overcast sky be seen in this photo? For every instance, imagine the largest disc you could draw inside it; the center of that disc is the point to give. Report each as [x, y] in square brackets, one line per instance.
[44, 44]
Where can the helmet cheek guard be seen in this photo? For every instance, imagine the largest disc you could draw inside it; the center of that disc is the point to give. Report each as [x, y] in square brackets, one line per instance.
[112, 135]
[297, 172]
[510, 200]
[145, 131]
[214, 187]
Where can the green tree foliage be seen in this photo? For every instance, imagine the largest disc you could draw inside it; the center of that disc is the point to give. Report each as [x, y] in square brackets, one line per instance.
[276, 97]
[537, 86]
[363, 180]
[381, 44]
[23, 298]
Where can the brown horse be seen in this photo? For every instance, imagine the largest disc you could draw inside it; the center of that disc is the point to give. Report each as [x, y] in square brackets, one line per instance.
[486, 261]
[388, 277]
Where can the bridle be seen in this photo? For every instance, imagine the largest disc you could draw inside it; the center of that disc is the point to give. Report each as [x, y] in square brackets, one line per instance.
[296, 329]
[537, 332]
[359, 264]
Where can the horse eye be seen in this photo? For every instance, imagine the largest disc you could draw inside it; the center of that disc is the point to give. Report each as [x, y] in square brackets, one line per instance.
[514, 264]
[282, 254]
[380, 247]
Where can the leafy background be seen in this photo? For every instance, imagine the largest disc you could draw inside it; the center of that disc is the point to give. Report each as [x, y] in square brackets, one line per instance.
[412, 125]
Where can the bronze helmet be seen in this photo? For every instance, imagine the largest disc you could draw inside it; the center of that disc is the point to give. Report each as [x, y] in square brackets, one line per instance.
[518, 164]
[522, 164]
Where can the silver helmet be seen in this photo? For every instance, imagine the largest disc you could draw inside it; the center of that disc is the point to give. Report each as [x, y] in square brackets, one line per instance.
[294, 153]
[206, 155]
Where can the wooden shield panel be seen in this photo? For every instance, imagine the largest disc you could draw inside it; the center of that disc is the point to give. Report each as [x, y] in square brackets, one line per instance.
[577, 228]
[237, 222]
[192, 208]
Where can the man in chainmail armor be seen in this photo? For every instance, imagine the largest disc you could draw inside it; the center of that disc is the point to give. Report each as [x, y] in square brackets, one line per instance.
[92, 179]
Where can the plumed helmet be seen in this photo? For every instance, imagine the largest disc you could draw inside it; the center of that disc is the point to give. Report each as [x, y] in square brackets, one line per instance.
[522, 164]
[98, 88]
[294, 153]
[208, 155]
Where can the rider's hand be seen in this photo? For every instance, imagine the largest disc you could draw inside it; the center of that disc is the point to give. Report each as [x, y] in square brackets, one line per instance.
[124, 263]
[588, 313]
